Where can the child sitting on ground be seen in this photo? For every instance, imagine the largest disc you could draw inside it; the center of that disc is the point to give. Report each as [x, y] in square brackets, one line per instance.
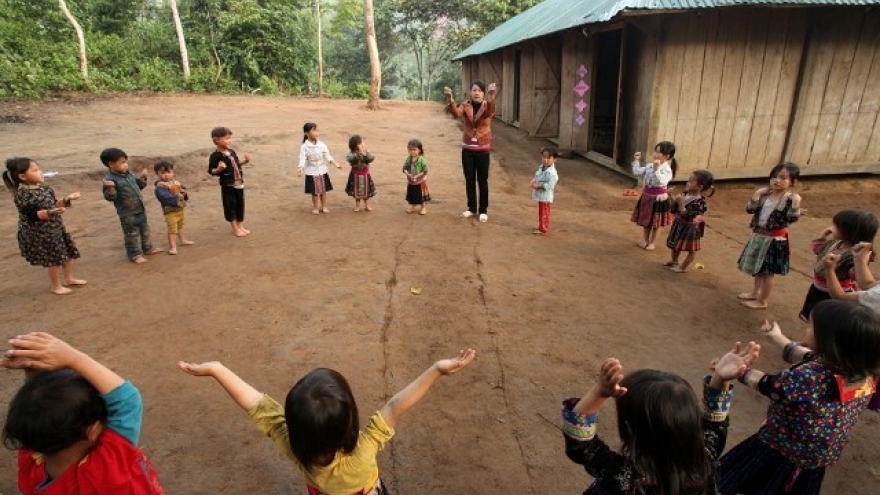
[75, 423]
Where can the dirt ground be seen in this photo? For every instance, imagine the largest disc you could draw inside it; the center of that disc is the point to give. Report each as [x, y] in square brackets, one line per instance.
[334, 290]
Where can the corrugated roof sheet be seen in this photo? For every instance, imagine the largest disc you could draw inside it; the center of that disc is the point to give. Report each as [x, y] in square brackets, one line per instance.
[551, 16]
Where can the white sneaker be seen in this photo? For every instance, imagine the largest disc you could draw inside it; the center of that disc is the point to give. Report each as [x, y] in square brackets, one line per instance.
[484, 218]
[467, 214]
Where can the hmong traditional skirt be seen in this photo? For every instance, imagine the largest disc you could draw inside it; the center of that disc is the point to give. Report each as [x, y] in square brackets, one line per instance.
[360, 186]
[685, 236]
[764, 255]
[814, 297]
[417, 194]
[318, 184]
[651, 212]
[754, 468]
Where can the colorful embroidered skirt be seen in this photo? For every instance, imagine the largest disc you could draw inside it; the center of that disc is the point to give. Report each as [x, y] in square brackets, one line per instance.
[685, 236]
[417, 194]
[764, 255]
[360, 186]
[754, 468]
[650, 212]
[318, 184]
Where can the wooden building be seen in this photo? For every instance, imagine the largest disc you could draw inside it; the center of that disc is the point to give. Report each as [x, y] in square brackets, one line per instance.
[738, 87]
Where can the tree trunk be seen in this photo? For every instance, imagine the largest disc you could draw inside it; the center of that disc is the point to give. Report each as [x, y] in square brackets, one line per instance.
[320, 51]
[373, 50]
[181, 41]
[83, 60]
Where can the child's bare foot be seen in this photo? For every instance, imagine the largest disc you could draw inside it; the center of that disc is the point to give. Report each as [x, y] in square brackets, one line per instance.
[156, 250]
[423, 211]
[246, 231]
[537, 232]
[642, 244]
[754, 304]
[172, 251]
[75, 282]
[187, 243]
[649, 247]
[325, 210]
[747, 296]
[677, 269]
[61, 290]
[670, 263]
[368, 207]
[315, 211]
[357, 208]
[410, 209]
[139, 259]
[239, 233]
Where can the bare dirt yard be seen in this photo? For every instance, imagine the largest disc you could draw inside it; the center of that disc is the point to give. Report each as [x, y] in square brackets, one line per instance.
[334, 290]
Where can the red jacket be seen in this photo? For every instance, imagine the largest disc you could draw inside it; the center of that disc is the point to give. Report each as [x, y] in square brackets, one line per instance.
[477, 135]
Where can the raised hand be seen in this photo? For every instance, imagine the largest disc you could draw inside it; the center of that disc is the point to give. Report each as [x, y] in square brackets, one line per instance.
[447, 91]
[610, 376]
[830, 260]
[199, 369]
[73, 196]
[450, 366]
[737, 361]
[39, 351]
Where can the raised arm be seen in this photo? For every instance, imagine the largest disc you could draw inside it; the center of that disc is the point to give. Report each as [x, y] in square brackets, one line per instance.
[608, 386]
[241, 392]
[43, 352]
[834, 288]
[413, 393]
[863, 252]
[792, 351]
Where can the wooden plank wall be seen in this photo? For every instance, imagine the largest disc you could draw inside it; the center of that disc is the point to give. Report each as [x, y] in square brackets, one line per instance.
[547, 60]
[506, 96]
[725, 85]
[574, 136]
[835, 123]
[491, 69]
[467, 69]
[637, 90]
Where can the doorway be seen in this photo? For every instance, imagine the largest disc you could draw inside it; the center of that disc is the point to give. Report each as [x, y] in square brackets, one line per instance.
[606, 81]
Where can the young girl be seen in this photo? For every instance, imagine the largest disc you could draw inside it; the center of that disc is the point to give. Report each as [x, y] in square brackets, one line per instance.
[42, 238]
[314, 156]
[766, 253]
[670, 443]
[360, 184]
[849, 227]
[317, 427]
[416, 169]
[687, 229]
[653, 209]
[814, 403]
[84, 437]
[543, 185]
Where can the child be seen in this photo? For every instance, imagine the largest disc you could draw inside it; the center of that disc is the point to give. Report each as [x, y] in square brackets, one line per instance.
[669, 444]
[317, 427]
[124, 190]
[76, 424]
[173, 197]
[767, 251]
[360, 184]
[543, 186]
[653, 209]
[813, 404]
[415, 167]
[688, 227]
[225, 164]
[314, 156]
[869, 293]
[42, 238]
[849, 227]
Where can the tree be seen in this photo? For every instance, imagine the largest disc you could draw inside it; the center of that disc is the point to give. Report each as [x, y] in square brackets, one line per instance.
[373, 49]
[83, 61]
[184, 56]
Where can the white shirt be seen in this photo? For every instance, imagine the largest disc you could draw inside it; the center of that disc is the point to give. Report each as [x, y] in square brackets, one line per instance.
[314, 157]
[653, 178]
[871, 297]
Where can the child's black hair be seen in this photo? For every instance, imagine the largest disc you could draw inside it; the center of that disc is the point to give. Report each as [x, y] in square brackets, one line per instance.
[659, 422]
[308, 127]
[668, 149]
[705, 180]
[855, 226]
[52, 411]
[112, 155]
[550, 150]
[847, 336]
[354, 141]
[15, 167]
[322, 417]
[219, 132]
[794, 172]
[163, 166]
[415, 143]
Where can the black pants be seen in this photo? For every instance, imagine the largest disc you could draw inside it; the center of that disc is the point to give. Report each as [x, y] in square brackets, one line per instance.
[476, 170]
[233, 203]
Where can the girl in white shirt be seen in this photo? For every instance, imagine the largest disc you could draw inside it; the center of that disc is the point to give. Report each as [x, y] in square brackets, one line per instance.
[654, 210]
[314, 158]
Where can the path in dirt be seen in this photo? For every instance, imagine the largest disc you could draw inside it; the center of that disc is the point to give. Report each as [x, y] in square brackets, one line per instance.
[334, 290]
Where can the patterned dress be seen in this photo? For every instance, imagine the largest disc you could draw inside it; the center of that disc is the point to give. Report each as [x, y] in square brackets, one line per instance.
[688, 227]
[767, 251]
[360, 182]
[653, 209]
[812, 411]
[416, 187]
[42, 242]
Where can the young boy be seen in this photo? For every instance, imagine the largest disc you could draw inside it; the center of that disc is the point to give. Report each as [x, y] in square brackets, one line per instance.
[542, 187]
[124, 190]
[224, 163]
[84, 439]
[173, 197]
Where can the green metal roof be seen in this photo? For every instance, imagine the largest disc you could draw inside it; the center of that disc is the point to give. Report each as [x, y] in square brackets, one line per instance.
[551, 16]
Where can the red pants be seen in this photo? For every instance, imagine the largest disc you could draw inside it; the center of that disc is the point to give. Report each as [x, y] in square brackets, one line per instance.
[544, 216]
